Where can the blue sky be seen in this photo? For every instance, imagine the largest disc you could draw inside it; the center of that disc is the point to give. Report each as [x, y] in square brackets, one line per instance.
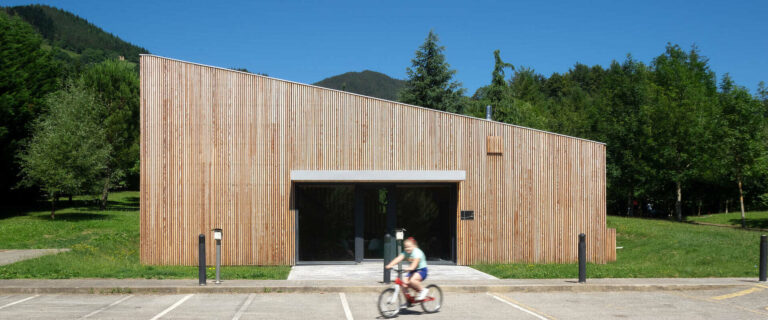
[307, 41]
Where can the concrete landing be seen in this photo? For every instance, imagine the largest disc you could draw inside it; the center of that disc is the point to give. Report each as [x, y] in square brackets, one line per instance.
[8, 256]
[372, 271]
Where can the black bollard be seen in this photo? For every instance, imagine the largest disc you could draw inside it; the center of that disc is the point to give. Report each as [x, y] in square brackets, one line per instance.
[201, 262]
[388, 256]
[582, 258]
[763, 256]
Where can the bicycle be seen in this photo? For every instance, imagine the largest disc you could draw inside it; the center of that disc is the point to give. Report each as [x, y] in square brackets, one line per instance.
[391, 301]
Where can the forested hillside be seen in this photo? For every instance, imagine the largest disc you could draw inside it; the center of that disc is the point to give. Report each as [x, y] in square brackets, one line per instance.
[367, 82]
[73, 34]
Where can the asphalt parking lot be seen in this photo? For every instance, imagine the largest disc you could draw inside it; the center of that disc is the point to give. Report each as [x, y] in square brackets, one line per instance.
[739, 303]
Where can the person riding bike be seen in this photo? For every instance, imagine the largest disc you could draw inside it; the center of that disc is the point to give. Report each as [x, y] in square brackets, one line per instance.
[418, 268]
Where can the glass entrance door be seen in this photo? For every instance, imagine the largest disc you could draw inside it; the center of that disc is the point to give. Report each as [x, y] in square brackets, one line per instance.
[347, 222]
[326, 222]
[374, 221]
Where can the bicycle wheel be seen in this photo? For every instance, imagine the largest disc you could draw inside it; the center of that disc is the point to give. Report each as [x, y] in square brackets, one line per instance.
[388, 308]
[434, 304]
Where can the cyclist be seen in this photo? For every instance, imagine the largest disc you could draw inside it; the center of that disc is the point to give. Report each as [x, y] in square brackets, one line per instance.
[418, 268]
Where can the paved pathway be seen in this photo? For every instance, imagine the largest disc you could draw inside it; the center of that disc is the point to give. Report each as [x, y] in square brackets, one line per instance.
[8, 256]
[373, 271]
[727, 303]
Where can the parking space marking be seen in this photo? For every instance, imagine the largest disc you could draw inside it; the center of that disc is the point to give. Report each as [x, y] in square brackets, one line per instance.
[19, 301]
[738, 294]
[519, 306]
[244, 306]
[178, 303]
[344, 303]
[107, 307]
[715, 301]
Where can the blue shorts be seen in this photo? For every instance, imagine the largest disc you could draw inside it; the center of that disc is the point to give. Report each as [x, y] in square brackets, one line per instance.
[422, 272]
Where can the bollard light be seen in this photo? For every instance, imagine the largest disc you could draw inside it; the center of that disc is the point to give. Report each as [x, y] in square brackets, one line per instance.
[400, 234]
[217, 236]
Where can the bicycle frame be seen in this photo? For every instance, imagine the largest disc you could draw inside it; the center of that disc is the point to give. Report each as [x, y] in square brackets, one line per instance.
[400, 285]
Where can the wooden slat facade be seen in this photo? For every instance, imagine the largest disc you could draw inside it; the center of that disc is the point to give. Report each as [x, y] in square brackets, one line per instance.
[217, 148]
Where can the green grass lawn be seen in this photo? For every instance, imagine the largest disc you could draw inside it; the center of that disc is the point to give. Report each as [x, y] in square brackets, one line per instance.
[656, 249]
[755, 219]
[105, 244]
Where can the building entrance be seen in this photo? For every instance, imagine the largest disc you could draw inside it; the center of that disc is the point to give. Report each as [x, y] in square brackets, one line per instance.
[347, 222]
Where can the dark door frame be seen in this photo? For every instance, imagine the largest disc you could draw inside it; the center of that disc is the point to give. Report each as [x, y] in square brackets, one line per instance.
[359, 216]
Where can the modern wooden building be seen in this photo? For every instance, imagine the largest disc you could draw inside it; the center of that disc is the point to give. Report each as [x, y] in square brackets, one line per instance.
[295, 173]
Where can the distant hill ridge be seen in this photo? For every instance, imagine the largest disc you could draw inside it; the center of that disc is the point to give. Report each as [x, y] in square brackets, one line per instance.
[79, 42]
[70, 32]
[367, 82]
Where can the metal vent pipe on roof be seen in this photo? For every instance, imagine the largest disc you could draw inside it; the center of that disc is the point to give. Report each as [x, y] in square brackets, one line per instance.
[488, 112]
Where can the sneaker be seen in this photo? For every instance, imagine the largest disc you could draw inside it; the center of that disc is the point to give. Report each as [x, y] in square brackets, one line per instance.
[423, 294]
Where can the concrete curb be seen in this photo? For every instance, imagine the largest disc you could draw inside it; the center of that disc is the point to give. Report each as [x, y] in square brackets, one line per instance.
[213, 289]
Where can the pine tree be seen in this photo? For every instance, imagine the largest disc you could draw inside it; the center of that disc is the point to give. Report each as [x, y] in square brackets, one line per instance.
[430, 80]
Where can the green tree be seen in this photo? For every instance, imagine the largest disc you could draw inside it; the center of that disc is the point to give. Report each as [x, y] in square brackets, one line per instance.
[116, 84]
[27, 74]
[680, 115]
[517, 101]
[430, 80]
[625, 92]
[68, 151]
[742, 133]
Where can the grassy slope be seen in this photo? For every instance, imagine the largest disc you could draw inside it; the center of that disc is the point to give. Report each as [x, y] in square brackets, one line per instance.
[756, 219]
[105, 244]
[658, 248]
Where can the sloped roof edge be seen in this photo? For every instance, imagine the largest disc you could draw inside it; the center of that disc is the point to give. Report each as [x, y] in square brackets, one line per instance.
[374, 98]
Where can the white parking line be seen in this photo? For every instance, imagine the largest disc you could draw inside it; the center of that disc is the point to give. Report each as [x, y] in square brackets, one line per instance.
[19, 301]
[178, 303]
[107, 307]
[516, 306]
[244, 306]
[344, 303]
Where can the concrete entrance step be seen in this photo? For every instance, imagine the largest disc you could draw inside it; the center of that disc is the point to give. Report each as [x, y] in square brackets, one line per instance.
[372, 271]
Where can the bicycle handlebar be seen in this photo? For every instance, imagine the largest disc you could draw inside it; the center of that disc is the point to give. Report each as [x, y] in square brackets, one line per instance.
[399, 271]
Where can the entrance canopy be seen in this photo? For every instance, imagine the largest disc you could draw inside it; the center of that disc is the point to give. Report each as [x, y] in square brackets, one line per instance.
[378, 175]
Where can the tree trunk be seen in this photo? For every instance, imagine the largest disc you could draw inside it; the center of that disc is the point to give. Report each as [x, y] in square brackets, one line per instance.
[741, 199]
[699, 213]
[70, 199]
[726, 205]
[105, 194]
[53, 205]
[679, 203]
[629, 204]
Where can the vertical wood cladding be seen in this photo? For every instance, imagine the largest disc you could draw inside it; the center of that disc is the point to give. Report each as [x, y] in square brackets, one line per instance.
[217, 147]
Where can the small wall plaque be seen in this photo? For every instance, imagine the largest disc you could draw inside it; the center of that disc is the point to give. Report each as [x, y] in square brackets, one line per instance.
[467, 215]
[494, 145]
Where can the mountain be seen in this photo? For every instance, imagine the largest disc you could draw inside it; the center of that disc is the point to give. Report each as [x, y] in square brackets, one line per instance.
[77, 38]
[369, 83]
